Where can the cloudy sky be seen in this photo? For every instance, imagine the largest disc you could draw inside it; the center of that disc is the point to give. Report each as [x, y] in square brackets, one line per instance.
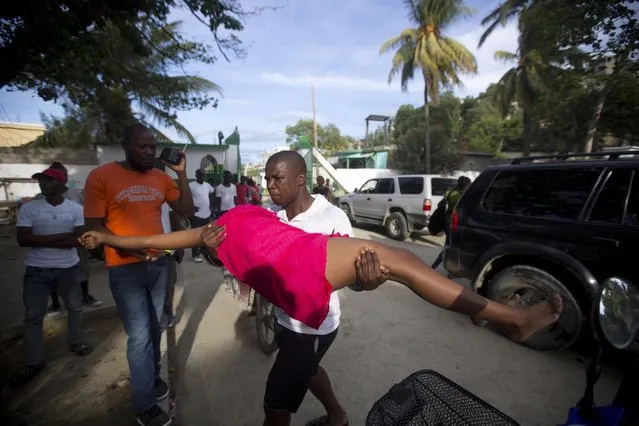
[333, 44]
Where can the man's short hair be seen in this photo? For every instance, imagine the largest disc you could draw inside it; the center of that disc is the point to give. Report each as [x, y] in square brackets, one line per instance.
[291, 158]
[131, 131]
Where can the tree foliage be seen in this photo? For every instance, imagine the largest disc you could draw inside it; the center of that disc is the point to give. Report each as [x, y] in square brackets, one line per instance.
[424, 48]
[408, 130]
[51, 45]
[329, 137]
[148, 95]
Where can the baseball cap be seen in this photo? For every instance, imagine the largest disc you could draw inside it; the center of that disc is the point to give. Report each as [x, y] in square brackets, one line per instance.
[54, 173]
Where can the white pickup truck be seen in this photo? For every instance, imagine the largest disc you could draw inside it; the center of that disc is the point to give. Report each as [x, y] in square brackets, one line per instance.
[402, 204]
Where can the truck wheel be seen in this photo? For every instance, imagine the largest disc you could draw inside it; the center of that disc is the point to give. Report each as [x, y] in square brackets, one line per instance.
[534, 285]
[346, 209]
[396, 226]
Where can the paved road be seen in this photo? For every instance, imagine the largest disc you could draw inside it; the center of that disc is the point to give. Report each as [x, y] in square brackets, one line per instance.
[385, 336]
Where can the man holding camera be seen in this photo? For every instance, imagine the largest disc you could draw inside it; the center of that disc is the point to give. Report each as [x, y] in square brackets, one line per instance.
[126, 198]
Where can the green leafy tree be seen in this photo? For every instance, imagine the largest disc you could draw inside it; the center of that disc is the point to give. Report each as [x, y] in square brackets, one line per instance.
[329, 137]
[520, 87]
[424, 48]
[407, 136]
[148, 95]
[51, 47]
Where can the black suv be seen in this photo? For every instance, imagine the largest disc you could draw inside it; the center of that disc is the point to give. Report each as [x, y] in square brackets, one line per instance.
[550, 224]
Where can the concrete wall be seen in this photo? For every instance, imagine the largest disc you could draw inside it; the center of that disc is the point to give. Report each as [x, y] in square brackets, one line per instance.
[18, 134]
[195, 154]
[22, 163]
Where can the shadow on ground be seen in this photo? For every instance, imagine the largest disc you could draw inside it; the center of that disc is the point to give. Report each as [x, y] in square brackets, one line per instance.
[72, 390]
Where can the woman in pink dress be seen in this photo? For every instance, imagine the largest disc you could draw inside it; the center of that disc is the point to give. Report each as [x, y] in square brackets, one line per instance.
[297, 271]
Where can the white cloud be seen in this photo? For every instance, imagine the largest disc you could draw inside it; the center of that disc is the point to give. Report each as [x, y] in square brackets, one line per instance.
[328, 81]
[293, 116]
[235, 102]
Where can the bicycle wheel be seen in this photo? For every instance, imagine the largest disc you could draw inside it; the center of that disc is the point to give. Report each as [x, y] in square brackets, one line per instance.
[265, 325]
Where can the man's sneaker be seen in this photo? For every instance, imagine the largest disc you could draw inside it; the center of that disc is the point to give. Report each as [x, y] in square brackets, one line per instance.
[198, 258]
[54, 312]
[161, 389]
[81, 349]
[91, 302]
[154, 416]
[25, 375]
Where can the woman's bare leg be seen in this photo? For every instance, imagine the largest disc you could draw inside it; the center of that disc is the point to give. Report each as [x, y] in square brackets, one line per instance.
[409, 270]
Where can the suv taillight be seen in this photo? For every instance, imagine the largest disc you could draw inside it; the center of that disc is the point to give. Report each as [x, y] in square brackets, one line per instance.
[454, 221]
[427, 205]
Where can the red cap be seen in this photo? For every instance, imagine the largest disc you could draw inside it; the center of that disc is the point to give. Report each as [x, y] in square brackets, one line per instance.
[54, 173]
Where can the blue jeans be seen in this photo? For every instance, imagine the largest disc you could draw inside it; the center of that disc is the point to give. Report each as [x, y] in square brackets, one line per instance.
[37, 286]
[139, 290]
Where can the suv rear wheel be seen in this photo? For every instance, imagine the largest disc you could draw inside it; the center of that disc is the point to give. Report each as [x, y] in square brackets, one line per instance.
[396, 226]
[346, 209]
[534, 285]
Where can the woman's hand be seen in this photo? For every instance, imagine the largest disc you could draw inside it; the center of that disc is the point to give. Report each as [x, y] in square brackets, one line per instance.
[92, 239]
[212, 236]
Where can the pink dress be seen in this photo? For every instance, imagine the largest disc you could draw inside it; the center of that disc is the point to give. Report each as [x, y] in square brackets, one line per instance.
[285, 265]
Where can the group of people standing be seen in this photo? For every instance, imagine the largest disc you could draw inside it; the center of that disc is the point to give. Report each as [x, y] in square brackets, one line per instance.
[133, 197]
[212, 202]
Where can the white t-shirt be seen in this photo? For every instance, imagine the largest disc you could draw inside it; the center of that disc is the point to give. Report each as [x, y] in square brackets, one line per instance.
[322, 218]
[201, 193]
[45, 219]
[226, 195]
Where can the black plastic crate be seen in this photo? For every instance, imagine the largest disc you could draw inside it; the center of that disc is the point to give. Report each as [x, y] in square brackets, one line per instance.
[426, 398]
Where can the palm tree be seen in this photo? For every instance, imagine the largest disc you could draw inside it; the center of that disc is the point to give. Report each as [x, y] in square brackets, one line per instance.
[501, 15]
[425, 48]
[521, 85]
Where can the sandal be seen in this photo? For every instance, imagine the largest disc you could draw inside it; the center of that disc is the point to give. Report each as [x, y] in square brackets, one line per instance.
[321, 421]
[81, 349]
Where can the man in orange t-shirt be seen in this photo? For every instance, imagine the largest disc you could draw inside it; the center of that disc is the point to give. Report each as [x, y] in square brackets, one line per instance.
[125, 198]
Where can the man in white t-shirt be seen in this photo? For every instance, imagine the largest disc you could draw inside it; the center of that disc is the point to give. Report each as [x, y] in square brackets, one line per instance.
[50, 227]
[301, 348]
[225, 194]
[202, 193]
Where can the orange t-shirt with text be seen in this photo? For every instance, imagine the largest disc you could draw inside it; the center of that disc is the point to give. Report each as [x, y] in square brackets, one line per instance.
[129, 201]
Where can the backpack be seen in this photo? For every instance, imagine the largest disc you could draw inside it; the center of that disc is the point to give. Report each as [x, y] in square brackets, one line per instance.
[437, 221]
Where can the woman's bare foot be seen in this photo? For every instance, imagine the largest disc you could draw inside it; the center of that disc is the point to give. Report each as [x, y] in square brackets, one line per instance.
[510, 300]
[536, 318]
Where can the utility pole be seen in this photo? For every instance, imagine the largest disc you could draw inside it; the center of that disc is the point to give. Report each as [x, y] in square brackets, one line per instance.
[314, 119]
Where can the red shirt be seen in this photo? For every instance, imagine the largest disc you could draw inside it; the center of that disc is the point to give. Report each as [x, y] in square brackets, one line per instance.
[242, 190]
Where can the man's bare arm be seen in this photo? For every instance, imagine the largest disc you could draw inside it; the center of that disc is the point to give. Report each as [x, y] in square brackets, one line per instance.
[183, 205]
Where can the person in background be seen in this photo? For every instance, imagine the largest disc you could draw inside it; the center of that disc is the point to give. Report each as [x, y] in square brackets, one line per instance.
[320, 188]
[50, 227]
[55, 309]
[254, 192]
[125, 198]
[242, 192]
[450, 200]
[203, 194]
[225, 194]
[330, 197]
